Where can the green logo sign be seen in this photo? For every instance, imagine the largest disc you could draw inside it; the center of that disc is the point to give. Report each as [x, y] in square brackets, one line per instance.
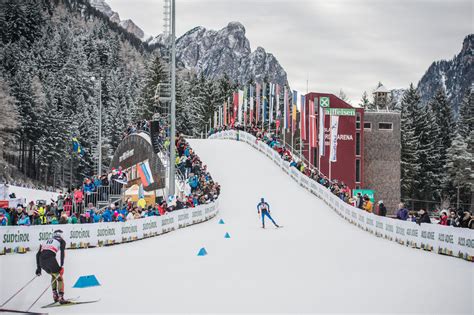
[340, 111]
[368, 192]
[324, 101]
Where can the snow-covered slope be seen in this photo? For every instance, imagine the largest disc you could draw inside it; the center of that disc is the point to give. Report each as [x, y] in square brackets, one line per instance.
[316, 263]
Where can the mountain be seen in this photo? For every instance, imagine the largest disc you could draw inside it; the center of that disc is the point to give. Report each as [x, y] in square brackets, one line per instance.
[215, 53]
[131, 27]
[127, 25]
[456, 76]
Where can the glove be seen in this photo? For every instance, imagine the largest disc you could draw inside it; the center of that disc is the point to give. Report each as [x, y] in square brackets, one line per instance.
[61, 271]
[38, 271]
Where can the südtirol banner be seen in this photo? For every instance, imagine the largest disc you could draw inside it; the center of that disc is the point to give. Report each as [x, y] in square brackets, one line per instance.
[334, 131]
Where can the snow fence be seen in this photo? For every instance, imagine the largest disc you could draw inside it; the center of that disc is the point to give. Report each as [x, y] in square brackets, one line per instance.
[21, 239]
[447, 240]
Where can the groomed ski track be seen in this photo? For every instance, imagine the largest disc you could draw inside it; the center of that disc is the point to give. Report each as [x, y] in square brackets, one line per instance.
[317, 263]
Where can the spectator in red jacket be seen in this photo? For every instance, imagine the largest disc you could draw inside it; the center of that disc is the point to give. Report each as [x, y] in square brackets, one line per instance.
[443, 218]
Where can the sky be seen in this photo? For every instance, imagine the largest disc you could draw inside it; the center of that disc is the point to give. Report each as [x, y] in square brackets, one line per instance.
[327, 46]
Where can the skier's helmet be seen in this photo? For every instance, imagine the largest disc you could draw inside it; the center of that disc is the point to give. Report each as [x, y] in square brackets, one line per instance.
[262, 200]
[58, 233]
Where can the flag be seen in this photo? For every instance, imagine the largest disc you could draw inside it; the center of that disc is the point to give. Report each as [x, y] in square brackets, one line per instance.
[285, 109]
[322, 119]
[303, 118]
[236, 106]
[251, 104]
[293, 105]
[277, 101]
[76, 147]
[220, 115]
[245, 105]
[257, 102]
[270, 116]
[225, 113]
[312, 125]
[334, 131]
[241, 103]
[264, 101]
[144, 171]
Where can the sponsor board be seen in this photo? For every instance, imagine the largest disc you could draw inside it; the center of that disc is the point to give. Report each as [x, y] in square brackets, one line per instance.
[29, 238]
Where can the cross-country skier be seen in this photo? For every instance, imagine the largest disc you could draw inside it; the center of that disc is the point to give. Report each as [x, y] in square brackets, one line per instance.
[264, 208]
[46, 260]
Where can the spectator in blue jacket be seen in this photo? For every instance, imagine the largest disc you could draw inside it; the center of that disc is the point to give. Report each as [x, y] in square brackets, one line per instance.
[89, 186]
[107, 215]
[193, 182]
[3, 218]
[402, 213]
[97, 217]
[24, 219]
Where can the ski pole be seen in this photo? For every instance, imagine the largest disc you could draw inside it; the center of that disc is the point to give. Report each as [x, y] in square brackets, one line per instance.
[39, 297]
[17, 292]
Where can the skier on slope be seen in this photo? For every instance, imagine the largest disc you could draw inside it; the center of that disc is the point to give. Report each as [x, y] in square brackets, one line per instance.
[264, 208]
[46, 260]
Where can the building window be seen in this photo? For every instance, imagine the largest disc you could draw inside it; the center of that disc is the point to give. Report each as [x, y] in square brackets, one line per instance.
[357, 171]
[358, 121]
[385, 126]
[357, 186]
[367, 125]
[358, 143]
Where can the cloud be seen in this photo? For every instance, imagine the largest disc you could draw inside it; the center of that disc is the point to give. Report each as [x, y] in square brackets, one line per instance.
[348, 44]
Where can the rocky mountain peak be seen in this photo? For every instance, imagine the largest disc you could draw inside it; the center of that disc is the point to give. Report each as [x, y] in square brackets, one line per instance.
[227, 50]
[454, 76]
[128, 25]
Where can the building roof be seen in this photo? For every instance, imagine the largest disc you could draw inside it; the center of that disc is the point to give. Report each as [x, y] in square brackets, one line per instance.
[381, 89]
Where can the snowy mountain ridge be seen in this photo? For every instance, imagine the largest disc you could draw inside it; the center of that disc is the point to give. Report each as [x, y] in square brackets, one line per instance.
[127, 25]
[226, 51]
[455, 76]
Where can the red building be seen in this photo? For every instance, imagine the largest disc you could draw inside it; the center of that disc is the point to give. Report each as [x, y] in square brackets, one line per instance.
[348, 165]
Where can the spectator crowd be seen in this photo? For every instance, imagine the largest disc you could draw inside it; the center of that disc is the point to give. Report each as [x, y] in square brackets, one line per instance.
[79, 205]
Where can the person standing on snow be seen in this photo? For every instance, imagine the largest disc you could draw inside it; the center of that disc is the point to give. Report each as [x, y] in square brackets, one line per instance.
[264, 208]
[46, 260]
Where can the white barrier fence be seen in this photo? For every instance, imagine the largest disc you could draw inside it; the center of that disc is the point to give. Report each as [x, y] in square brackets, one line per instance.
[458, 242]
[25, 238]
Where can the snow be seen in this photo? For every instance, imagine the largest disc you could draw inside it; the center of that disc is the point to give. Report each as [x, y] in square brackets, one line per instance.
[32, 194]
[316, 263]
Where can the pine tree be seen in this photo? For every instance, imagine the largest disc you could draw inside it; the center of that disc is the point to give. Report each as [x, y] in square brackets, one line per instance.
[155, 75]
[466, 114]
[444, 119]
[343, 96]
[460, 162]
[427, 155]
[409, 164]
[364, 102]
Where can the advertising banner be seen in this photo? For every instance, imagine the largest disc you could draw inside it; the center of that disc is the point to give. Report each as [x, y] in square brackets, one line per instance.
[334, 132]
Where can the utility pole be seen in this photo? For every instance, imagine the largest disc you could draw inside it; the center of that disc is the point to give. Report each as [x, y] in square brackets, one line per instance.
[173, 100]
[99, 168]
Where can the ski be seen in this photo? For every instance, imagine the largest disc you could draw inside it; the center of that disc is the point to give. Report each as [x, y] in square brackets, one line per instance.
[69, 300]
[71, 303]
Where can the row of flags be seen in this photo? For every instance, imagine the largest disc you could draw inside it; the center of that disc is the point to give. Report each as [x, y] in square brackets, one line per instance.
[261, 105]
